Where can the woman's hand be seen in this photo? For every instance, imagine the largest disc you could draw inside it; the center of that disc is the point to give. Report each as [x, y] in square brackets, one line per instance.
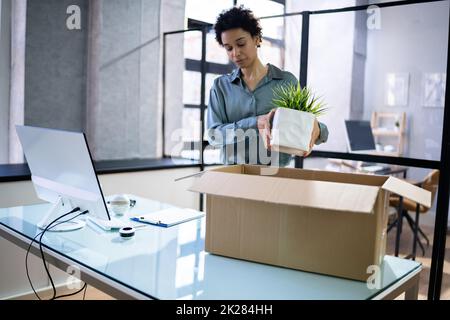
[264, 127]
[314, 136]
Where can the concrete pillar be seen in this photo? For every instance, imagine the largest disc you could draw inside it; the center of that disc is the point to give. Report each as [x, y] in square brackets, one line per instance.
[93, 70]
[17, 91]
[5, 67]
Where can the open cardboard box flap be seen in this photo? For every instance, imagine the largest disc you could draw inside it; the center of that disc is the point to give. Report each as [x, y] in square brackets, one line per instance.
[232, 181]
[306, 193]
[408, 190]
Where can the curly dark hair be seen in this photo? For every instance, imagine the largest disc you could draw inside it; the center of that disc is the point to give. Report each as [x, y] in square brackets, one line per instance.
[237, 17]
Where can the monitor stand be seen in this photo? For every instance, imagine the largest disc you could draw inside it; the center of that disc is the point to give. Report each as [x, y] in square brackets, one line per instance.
[61, 207]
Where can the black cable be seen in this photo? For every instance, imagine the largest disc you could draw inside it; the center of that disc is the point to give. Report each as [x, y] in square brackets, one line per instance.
[42, 251]
[85, 289]
[29, 248]
[85, 284]
[49, 226]
[73, 293]
[26, 266]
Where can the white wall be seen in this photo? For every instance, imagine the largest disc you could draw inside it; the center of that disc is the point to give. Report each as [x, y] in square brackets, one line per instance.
[293, 43]
[412, 39]
[330, 63]
[158, 185]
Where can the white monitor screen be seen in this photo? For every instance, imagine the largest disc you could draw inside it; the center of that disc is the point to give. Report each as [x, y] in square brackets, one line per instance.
[61, 166]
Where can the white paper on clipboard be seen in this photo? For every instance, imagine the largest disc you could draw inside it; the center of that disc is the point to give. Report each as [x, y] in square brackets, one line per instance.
[169, 217]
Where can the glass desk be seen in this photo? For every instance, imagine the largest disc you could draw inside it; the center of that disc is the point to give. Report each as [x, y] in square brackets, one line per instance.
[170, 263]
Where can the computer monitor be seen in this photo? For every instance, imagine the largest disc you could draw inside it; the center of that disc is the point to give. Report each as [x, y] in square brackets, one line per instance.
[359, 136]
[63, 174]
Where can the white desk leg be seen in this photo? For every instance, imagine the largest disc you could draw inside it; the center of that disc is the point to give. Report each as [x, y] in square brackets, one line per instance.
[409, 286]
[412, 293]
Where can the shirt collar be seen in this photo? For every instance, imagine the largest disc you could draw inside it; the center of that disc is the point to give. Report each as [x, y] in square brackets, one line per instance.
[236, 74]
[272, 73]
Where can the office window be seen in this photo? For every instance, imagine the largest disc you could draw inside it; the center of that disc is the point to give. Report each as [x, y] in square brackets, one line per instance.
[206, 11]
[215, 53]
[272, 28]
[191, 87]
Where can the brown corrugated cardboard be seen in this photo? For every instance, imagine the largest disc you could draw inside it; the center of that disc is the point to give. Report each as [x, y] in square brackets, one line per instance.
[325, 222]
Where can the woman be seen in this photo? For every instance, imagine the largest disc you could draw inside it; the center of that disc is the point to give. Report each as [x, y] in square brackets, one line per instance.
[240, 103]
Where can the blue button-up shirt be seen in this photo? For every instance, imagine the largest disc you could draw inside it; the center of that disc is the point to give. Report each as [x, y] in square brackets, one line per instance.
[232, 117]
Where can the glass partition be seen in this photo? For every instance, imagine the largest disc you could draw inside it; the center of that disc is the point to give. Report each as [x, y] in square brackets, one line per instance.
[386, 66]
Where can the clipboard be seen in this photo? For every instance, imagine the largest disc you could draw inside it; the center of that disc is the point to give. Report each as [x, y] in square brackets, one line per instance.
[168, 217]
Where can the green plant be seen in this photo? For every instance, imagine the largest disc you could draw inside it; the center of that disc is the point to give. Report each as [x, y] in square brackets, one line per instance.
[292, 96]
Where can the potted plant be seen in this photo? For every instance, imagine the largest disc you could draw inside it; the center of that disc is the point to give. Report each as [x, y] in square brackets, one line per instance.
[293, 122]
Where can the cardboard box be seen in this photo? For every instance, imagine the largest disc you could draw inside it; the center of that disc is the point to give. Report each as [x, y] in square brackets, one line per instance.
[325, 222]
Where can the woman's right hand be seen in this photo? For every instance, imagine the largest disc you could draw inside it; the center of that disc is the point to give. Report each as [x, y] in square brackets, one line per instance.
[264, 127]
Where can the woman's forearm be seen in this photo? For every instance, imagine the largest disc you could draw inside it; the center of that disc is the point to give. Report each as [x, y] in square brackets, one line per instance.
[220, 134]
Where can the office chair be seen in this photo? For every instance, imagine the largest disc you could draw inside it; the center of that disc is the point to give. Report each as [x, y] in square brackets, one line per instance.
[430, 183]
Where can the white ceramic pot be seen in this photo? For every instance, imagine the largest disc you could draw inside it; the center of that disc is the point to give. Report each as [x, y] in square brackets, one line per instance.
[292, 131]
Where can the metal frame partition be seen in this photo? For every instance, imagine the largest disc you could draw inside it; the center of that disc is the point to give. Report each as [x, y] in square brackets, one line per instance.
[204, 30]
[443, 195]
